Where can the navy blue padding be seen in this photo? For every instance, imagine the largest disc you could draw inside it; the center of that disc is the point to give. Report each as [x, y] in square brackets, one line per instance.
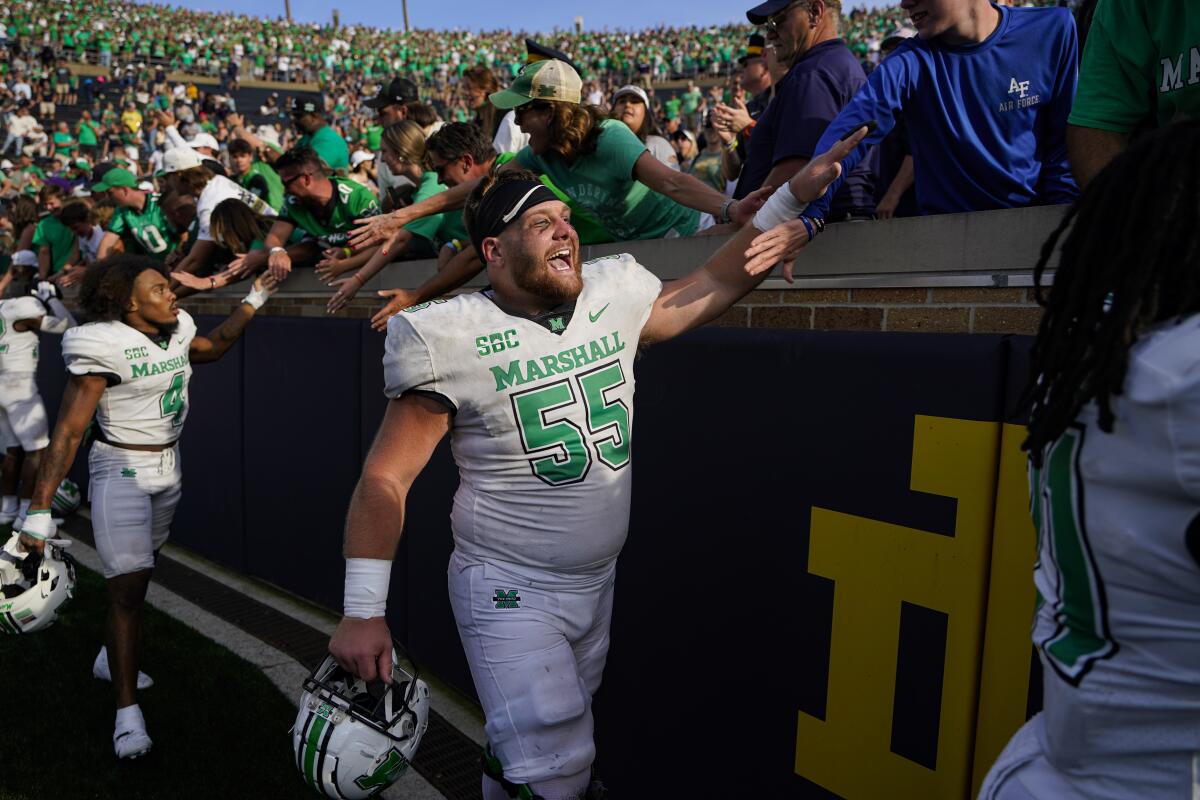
[210, 516]
[1019, 358]
[738, 435]
[301, 443]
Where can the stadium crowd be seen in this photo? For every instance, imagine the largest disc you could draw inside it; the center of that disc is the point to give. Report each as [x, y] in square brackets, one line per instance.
[402, 118]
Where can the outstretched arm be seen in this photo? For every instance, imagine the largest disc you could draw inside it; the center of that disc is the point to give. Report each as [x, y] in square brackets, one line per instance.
[78, 406]
[206, 349]
[411, 430]
[723, 280]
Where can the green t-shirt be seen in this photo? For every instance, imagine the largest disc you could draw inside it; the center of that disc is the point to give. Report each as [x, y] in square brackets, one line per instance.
[672, 107]
[87, 133]
[691, 101]
[707, 168]
[64, 141]
[58, 237]
[375, 138]
[603, 183]
[265, 175]
[426, 229]
[329, 146]
[583, 221]
[1139, 63]
[351, 201]
[148, 229]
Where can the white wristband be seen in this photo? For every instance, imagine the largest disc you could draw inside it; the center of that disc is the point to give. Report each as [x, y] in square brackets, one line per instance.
[276, 249]
[39, 524]
[367, 582]
[781, 207]
[256, 299]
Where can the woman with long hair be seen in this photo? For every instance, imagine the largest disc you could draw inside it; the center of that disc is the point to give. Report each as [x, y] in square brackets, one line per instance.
[597, 161]
[478, 84]
[1114, 476]
[631, 105]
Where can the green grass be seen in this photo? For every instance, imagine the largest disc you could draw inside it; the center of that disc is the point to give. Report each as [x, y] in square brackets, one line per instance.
[220, 727]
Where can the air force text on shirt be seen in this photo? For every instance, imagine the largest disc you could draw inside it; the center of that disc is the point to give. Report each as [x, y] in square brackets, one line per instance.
[1019, 96]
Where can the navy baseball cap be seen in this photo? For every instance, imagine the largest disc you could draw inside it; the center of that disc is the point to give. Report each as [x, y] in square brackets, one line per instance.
[536, 51]
[764, 11]
[398, 92]
[303, 105]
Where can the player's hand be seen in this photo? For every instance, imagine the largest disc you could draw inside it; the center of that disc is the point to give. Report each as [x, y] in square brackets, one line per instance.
[781, 244]
[347, 288]
[279, 264]
[266, 282]
[744, 210]
[29, 544]
[381, 230]
[821, 171]
[363, 647]
[400, 300]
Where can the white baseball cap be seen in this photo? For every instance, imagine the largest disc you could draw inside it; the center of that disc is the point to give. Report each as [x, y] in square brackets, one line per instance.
[146, 186]
[359, 156]
[180, 158]
[6, 164]
[24, 258]
[204, 140]
[638, 91]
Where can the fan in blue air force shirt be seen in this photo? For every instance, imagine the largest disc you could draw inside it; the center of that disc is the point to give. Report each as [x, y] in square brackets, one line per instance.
[986, 122]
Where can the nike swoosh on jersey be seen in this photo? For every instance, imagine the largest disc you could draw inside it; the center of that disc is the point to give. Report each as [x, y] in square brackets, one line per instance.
[593, 317]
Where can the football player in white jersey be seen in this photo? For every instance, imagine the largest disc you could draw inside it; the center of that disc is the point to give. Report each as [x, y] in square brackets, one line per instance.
[129, 367]
[22, 414]
[1114, 446]
[533, 378]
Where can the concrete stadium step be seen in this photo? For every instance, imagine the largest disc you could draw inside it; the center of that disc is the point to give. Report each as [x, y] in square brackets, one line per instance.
[448, 758]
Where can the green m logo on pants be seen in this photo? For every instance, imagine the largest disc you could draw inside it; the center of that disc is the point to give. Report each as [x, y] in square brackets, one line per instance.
[509, 599]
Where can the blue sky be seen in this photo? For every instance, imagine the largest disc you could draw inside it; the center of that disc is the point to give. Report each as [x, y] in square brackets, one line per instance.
[490, 15]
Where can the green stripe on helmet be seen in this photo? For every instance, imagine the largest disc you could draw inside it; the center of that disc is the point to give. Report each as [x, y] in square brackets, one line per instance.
[310, 753]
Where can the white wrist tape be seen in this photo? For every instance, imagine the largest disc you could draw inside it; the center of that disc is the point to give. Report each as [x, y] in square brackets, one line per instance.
[367, 582]
[780, 207]
[39, 524]
[256, 299]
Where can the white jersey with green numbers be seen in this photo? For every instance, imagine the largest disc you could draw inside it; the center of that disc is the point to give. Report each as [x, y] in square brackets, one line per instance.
[543, 415]
[1118, 620]
[19, 349]
[146, 401]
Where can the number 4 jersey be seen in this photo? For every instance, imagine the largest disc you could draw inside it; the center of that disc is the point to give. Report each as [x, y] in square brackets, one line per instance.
[543, 414]
[146, 398]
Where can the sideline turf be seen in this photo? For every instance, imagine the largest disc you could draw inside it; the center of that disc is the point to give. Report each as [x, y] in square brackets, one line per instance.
[220, 728]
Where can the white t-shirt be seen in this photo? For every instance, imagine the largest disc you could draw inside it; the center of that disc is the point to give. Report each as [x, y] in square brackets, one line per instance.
[146, 401]
[661, 149]
[218, 189]
[89, 246]
[509, 136]
[543, 416]
[19, 349]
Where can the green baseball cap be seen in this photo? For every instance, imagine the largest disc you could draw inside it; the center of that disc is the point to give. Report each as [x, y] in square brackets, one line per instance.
[115, 177]
[542, 80]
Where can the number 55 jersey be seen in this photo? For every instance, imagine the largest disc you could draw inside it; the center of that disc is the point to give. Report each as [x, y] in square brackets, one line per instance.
[146, 398]
[543, 414]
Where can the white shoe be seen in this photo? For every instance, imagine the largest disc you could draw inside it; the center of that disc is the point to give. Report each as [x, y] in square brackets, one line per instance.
[100, 670]
[131, 743]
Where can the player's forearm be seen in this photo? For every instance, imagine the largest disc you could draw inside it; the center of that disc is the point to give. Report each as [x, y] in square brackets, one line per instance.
[706, 293]
[376, 517]
[228, 332]
[56, 463]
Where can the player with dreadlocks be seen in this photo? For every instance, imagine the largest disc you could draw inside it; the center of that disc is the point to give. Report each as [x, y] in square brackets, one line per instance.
[1114, 450]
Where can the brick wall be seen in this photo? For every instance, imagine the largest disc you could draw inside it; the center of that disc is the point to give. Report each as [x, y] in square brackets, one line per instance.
[928, 310]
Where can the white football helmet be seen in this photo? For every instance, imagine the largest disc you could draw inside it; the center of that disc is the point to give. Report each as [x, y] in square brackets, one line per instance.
[354, 739]
[33, 588]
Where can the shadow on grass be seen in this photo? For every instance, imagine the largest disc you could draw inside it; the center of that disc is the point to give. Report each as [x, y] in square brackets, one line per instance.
[220, 728]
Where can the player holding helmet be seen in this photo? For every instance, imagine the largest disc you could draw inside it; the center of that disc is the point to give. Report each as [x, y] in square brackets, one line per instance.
[534, 380]
[129, 367]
